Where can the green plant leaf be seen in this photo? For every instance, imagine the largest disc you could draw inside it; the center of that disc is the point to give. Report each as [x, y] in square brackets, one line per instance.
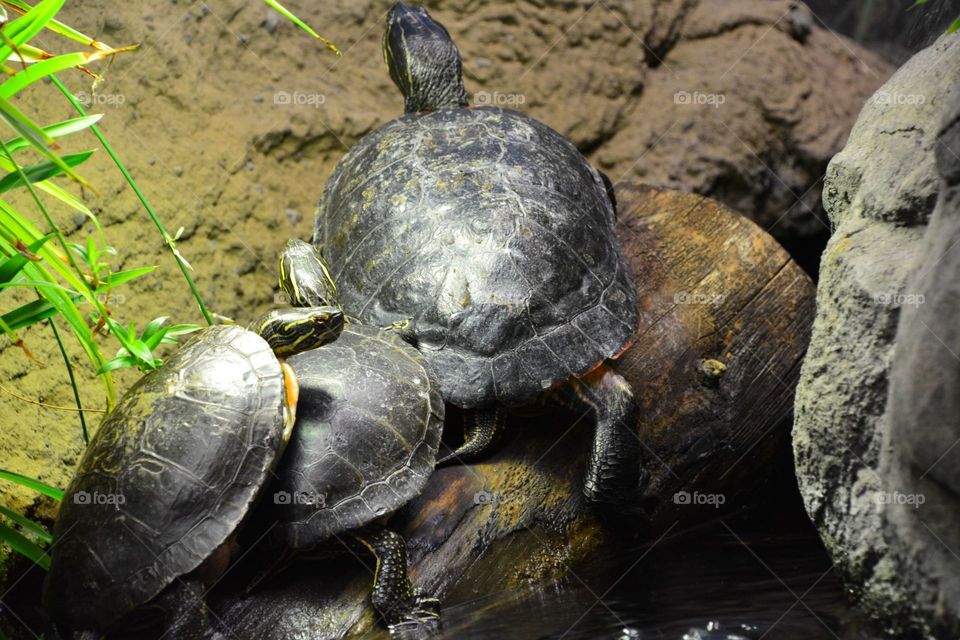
[39, 70]
[119, 277]
[31, 483]
[35, 135]
[25, 547]
[954, 27]
[42, 171]
[60, 28]
[28, 314]
[120, 362]
[57, 130]
[29, 525]
[19, 31]
[12, 265]
[303, 25]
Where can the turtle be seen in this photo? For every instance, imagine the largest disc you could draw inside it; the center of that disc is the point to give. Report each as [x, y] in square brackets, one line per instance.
[492, 239]
[150, 517]
[365, 442]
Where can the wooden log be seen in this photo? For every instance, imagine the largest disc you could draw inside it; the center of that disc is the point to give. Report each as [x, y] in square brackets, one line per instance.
[726, 319]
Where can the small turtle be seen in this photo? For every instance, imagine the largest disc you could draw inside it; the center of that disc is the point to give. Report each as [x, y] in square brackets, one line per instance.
[365, 442]
[152, 511]
[494, 238]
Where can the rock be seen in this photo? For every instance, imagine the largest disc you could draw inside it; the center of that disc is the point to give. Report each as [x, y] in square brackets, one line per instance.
[518, 518]
[920, 460]
[879, 192]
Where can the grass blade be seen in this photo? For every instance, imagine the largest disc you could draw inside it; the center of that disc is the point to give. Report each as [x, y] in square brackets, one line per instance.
[73, 382]
[167, 238]
[31, 483]
[57, 130]
[11, 266]
[25, 547]
[42, 171]
[28, 524]
[303, 25]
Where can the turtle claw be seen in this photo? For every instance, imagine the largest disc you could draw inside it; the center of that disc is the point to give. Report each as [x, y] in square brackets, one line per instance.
[418, 612]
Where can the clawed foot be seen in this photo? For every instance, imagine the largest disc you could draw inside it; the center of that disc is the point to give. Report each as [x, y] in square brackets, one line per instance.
[418, 611]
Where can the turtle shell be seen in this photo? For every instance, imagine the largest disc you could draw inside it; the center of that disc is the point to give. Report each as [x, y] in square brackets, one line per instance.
[368, 426]
[168, 477]
[493, 233]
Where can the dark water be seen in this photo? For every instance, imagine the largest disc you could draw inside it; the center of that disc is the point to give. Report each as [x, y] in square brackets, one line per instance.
[722, 583]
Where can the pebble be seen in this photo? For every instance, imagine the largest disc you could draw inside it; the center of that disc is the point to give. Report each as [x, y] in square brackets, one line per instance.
[178, 171]
[271, 22]
[294, 216]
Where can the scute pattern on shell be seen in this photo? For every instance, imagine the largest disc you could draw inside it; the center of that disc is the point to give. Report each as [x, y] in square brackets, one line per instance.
[188, 448]
[494, 234]
[368, 427]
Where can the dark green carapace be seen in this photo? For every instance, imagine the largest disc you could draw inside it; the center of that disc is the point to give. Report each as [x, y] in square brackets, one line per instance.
[493, 236]
[172, 472]
[368, 427]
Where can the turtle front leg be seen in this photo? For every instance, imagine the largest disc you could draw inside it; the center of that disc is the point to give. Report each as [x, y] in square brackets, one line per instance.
[613, 467]
[393, 595]
[482, 428]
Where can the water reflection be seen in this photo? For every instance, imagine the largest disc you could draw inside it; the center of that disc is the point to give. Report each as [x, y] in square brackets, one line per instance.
[723, 585]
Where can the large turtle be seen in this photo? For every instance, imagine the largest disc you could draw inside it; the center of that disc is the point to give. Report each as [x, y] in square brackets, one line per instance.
[151, 513]
[493, 237]
[365, 442]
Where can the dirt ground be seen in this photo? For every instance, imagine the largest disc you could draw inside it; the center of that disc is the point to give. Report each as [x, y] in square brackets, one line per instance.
[231, 119]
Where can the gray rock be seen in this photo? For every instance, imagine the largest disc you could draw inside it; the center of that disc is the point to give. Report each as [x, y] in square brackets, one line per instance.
[880, 192]
[921, 456]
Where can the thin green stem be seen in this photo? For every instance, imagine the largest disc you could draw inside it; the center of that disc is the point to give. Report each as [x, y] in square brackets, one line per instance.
[62, 239]
[73, 381]
[167, 238]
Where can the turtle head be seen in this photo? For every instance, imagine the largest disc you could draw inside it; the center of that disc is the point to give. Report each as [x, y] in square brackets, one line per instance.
[291, 331]
[305, 276]
[423, 60]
